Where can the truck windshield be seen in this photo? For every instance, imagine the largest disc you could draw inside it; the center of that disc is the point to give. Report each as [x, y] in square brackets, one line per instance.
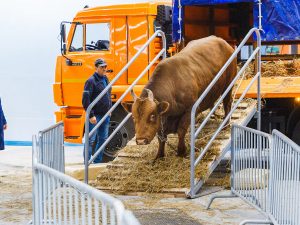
[97, 37]
[77, 40]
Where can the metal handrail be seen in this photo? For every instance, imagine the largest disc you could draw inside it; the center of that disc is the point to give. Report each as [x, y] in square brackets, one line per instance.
[195, 133]
[89, 134]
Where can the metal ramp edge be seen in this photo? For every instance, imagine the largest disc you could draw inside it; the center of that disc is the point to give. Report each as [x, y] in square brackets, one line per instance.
[217, 161]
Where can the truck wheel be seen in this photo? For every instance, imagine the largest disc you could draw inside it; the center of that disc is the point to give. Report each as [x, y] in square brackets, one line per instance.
[125, 134]
[293, 125]
[296, 134]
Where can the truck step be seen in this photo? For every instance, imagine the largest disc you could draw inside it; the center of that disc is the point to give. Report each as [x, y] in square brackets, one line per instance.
[72, 126]
[71, 137]
[73, 116]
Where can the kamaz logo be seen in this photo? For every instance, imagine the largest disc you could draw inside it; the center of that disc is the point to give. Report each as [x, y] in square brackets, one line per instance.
[76, 64]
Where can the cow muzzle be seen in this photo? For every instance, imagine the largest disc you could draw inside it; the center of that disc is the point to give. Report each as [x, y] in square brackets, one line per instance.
[142, 141]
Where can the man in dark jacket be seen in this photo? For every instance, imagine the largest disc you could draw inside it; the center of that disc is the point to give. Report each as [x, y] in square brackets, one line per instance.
[92, 88]
[3, 126]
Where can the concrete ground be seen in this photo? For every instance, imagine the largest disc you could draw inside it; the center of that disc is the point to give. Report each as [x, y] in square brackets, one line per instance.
[15, 197]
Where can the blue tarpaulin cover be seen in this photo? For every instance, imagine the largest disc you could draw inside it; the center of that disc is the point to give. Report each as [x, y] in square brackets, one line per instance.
[280, 18]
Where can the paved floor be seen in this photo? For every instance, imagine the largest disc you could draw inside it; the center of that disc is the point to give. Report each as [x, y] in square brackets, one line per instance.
[15, 197]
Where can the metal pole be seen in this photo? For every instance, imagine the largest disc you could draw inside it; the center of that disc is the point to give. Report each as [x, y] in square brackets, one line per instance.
[86, 148]
[258, 81]
[192, 192]
[259, 15]
[258, 66]
[35, 184]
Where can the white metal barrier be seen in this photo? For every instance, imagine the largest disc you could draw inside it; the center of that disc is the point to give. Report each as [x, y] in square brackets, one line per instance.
[51, 146]
[61, 199]
[250, 165]
[284, 191]
[265, 172]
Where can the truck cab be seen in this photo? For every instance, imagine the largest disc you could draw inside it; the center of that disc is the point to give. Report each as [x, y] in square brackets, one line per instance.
[114, 33]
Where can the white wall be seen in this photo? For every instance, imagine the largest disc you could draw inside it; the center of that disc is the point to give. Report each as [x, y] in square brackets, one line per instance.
[29, 44]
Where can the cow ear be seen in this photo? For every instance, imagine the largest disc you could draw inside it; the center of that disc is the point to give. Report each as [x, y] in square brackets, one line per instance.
[163, 107]
[127, 106]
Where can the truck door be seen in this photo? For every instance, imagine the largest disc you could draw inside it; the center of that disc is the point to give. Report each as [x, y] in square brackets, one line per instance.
[120, 49]
[88, 42]
[138, 35]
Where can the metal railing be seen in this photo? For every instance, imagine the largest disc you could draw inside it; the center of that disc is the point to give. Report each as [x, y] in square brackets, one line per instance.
[61, 199]
[52, 151]
[195, 186]
[89, 134]
[265, 172]
[250, 165]
[284, 190]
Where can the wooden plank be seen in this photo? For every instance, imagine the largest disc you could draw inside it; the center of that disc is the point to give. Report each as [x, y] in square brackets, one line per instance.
[273, 87]
[236, 115]
[129, 155]
[243, 105]
[171, 192]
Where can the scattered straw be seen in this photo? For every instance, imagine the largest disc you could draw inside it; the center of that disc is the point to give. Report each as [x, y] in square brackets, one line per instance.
[275, 68]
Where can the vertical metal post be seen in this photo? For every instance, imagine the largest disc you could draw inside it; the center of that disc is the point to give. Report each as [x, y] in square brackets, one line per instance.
[259, 68]
[86, 148]
[192, 183]
[179, 20]
[259, 15]
[233, 164]
[35, 187]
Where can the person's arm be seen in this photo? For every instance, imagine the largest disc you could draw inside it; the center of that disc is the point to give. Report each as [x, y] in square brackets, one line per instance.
[4, 120]
[3, 117]
[86, 96]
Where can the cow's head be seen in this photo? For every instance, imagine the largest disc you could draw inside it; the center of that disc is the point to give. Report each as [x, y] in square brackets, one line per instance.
[146, 114]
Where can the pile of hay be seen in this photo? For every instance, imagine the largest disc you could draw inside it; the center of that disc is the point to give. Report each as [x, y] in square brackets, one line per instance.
[275, 68]
[144, 174]
[141, 173]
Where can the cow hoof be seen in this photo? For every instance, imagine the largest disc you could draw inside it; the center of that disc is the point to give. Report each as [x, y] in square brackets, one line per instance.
[182, 154]
[159, 157]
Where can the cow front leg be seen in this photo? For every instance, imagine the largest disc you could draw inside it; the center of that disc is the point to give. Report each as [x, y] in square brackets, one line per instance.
[182, 129]
[161, 147]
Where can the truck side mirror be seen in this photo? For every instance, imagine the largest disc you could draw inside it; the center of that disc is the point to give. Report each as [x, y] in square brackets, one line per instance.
[63, 38]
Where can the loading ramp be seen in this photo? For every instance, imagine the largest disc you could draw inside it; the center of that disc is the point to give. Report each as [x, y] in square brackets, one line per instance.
[134, 171]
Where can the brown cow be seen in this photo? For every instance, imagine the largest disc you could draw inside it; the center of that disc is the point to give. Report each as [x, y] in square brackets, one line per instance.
[165, 103]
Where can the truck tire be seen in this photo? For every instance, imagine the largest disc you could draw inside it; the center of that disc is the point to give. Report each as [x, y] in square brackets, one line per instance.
[125, 134]
[293, 125]
[296, 134]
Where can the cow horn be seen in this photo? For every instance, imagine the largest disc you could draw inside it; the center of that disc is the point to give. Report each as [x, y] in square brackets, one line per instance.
[133, 95]
[150, 94]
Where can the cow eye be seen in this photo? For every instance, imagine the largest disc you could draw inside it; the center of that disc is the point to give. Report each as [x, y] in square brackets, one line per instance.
[152, 117]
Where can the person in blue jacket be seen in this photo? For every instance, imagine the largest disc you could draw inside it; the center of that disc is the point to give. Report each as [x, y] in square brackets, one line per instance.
[92, 88]
[3, 126]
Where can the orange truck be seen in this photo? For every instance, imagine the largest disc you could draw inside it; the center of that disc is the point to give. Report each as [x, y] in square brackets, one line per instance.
[117, 32]
[114, 33]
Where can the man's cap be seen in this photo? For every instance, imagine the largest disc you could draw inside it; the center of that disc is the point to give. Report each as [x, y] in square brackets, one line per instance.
[100, 62]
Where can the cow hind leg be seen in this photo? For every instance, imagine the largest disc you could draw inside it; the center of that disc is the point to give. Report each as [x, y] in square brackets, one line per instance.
[227, 101]
[182, 129]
